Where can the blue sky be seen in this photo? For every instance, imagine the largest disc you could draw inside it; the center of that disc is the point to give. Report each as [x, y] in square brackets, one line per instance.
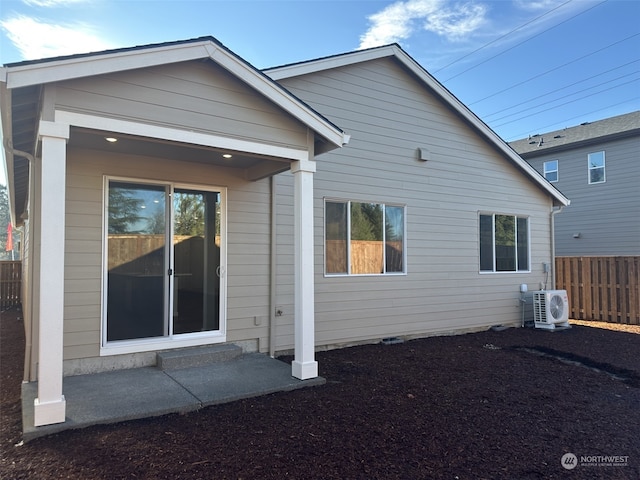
[522, 66]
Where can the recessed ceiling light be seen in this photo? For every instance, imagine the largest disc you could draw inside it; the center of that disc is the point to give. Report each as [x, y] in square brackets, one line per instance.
[111, 139]
[227, 155]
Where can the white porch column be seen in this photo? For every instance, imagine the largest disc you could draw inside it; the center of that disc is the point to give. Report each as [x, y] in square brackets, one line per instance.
[304, 365]
[49, 406]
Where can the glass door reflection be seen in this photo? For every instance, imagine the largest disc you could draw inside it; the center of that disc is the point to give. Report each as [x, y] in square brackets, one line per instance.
[196, 256]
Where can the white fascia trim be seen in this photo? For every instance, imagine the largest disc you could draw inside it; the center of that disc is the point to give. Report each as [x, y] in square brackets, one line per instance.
[276, 94]
[468, 115]
[100, 64]
[313, 66]
[177, 135]
[85, 66]
[304, 68]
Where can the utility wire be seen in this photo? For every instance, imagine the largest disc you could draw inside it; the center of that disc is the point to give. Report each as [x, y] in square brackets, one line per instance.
[502, 37]
[524, 41]
[553, 69]
[569, 95]
[566, 103]
[559, 89]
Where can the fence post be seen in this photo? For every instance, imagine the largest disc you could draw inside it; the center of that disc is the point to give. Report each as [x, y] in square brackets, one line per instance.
[10, 283]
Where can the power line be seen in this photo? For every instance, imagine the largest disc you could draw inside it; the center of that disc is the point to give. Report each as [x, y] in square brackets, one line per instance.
[547, 128]
[502, 37]
[569, 95]
[553, 69]
[560, 89]
[524, 41]
[565, 103]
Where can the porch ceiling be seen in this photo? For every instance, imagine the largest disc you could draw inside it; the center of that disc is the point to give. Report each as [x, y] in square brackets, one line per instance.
[24, 104]
[253, 166]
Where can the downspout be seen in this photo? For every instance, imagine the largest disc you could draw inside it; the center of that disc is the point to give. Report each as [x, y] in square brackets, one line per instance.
[554, 212]
[27, 320]
[272, 270]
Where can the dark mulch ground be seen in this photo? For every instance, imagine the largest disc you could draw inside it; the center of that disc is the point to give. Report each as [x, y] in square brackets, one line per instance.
[493, 405]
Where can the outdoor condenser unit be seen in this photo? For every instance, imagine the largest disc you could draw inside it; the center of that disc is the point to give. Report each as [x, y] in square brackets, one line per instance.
[548, 309]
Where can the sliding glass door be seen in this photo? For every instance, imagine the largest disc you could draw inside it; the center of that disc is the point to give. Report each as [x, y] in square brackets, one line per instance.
[163, 260]
[196, 247]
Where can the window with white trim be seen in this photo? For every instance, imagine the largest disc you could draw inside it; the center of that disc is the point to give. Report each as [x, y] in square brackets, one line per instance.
[551, 170]
[504, 243]
[363, 238]
[596, 167]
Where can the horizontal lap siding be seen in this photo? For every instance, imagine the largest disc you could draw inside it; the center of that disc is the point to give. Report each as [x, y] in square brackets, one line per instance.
[190, 96]
[389, 115]
[247, 245]
[605, 214]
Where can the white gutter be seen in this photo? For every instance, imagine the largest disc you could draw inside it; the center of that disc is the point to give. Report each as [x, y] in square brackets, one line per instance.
[28, 326]
[554, 212]
[272, 271]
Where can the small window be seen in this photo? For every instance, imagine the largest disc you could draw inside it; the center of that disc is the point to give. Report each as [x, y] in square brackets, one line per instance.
[364, 238]
[551, 170]
[596, 167]
[504, 243]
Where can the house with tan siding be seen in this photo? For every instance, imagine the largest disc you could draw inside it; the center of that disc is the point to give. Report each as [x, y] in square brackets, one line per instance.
[173, 196]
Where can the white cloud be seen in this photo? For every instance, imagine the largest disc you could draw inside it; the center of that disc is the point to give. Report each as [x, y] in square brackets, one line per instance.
[51, 3]
[36, 39]
[538, 4]
[458, 23]
[400, 20]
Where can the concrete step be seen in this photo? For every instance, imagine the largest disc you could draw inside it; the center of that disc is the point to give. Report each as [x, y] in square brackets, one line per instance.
[197, 356]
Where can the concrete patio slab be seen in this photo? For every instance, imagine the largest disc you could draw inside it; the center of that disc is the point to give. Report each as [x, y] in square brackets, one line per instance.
[219, 382]
[123, 395]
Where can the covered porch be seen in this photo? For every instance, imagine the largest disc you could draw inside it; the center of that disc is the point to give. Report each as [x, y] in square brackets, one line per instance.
[187, 117]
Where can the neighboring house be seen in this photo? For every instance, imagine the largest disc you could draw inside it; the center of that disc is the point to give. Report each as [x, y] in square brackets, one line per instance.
[597, 165]
[172, 196]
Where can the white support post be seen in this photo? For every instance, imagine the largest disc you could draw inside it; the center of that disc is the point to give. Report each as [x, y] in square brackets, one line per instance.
[304, 365]
[50, 406]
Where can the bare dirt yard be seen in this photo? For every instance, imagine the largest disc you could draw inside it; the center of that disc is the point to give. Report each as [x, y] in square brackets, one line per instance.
[489, 405]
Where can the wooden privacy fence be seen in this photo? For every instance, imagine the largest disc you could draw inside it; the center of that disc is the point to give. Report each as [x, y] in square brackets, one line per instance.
[367, 256]
[10, 284]
[601, 288]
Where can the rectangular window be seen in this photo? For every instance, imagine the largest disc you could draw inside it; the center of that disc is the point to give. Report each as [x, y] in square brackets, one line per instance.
[364, 238]
[504, 243]
[551, 170]
[596, 167]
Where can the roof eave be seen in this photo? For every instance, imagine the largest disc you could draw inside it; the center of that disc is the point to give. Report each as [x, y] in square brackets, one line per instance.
[288, 71]
[21, 75]
[5, 150]
[582, 143]
[335, 61]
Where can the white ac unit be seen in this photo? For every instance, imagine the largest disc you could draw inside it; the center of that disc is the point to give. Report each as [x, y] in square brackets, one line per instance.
[550, 309]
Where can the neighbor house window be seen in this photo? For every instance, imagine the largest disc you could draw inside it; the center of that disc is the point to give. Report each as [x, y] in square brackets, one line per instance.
[596, 167]
[551, 170]
[504, 243]
[364, 238]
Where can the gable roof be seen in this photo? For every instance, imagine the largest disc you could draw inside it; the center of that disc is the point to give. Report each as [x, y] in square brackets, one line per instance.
[394, 50]
[586, 133]
[21, 84]
[30, 73]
